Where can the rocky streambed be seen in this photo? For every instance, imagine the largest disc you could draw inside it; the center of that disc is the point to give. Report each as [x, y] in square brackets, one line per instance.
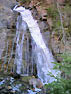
[15, 84]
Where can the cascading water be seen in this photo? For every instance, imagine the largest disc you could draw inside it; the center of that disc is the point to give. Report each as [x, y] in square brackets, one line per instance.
[19, 46]
[43, 56]
[22, 68]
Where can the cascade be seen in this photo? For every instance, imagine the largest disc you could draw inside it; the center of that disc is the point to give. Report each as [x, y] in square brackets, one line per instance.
[22, 68]
[41, 54]
[19, 45]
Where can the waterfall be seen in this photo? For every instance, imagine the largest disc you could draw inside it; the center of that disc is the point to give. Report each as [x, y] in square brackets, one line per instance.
[43, 56]
[22, 68]
[19, 44]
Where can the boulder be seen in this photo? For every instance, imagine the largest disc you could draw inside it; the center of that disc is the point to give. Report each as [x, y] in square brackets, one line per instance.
[36, 82]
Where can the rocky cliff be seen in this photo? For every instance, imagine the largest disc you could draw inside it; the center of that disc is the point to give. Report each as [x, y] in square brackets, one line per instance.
[40, 9]
[7, 22]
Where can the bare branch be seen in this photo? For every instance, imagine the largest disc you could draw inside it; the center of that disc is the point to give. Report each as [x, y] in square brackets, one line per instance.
[63, 31]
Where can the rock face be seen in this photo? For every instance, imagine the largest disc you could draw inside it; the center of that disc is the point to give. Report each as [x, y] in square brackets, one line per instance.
[7, 21]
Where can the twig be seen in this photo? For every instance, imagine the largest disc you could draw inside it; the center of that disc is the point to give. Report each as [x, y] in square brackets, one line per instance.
[63, 39]
[38, 3]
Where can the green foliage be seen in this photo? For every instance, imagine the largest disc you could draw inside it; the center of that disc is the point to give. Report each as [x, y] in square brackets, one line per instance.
[0, 60]
[67, 1]
[67, 20]
[56, 25]
[52, 12]
[23, 1]
[63, 84]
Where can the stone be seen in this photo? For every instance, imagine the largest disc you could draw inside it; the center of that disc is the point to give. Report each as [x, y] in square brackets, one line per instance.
[15, 75]
[9, 87]
[36, 82]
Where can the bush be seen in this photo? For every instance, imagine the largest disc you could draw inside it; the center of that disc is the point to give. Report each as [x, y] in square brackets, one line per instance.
[63, 84]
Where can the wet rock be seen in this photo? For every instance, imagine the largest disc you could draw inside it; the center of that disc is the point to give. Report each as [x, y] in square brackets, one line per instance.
[26, 78]
[1, 88]
[17, 86]
[15, 75]
[4, 90]
[13, 92]
[9, 87]
[59, 59]
[36, 82]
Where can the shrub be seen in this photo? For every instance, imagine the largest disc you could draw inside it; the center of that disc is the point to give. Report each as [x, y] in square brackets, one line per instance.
[63, 84]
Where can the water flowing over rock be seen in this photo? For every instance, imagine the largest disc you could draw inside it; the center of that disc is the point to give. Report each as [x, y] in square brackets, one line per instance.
[19, 47]
[23, 61]
[43, 57]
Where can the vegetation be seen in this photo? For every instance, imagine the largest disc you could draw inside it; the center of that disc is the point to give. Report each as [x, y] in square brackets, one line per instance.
[52, 12]
[61, 17]
[63, 84]
[61, 25]
[23, 1]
